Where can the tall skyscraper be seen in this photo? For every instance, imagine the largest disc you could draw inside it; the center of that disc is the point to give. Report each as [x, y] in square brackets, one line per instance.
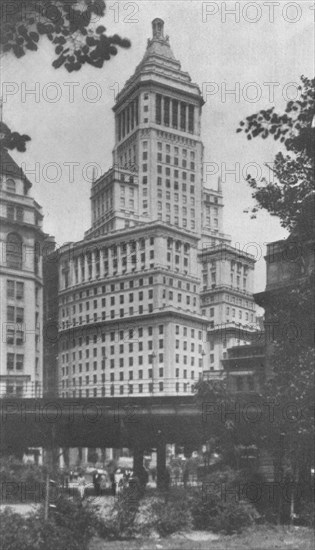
[21, 310]
[153, 295]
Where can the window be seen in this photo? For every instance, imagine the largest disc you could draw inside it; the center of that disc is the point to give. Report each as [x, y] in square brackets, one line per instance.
[183, 116]
[19, 214]
[191, 119]
[166, 111]
[14, 251]
[10, 185]
[10, 212]
[10, 361]
[10, 289]
[158, 109]
[175, 114]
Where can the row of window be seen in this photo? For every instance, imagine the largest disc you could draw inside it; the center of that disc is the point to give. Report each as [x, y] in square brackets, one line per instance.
[93, 256]
[15, 361]
[131, 334]
[113, 363]
[9, 184]
[103, 289]
[15, 314]
[176, 185]
[15, 290]
[175, 220]
[14, 252]
[119, 376]
[130, 389]
[170, 295]
[172, 161]
[118, 348]
[15, 336]
[131, 361]
[174, 113]
[109, 289]
[113, 314]
[15, 213]
[168, 195]
[175, 173]
[240, 302]
[128, 119]
[170, 149]
[240, 314]
[175, 209]
[114, 336]
[142, 295]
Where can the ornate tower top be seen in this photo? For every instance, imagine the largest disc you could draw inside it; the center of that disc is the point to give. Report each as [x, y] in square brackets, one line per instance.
[159, 64]
[158, 28]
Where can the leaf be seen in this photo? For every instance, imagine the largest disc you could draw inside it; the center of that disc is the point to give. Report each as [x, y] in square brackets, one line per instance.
[34, 36]
[31, 46]
[58, 62]
[18, 51]
[41, 28]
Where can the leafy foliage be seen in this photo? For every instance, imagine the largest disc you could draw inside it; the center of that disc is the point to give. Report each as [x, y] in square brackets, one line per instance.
[172, 514]
[71, 25]
[290, 382]
[220, 506]
[228, 434]
[16, 477]
[71, 527]
[290, 194]
[12, 140]
[120, 523]
[290, 387]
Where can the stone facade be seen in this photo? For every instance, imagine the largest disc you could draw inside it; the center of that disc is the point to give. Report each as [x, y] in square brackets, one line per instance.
[21, 284]
[155, 293]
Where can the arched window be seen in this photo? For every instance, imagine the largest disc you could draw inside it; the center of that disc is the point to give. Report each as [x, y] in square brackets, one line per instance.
[14, 251]
[10, 185]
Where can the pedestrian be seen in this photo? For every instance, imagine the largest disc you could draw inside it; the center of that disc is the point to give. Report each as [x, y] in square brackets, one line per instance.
[113, 483]
[119, 476]
[97, 483]
[81, 485]
[185, 477]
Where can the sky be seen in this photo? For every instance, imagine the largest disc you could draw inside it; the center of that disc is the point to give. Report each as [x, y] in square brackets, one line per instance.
[259, 50]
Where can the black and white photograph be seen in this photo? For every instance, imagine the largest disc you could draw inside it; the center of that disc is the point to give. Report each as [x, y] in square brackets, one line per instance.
[157, 275]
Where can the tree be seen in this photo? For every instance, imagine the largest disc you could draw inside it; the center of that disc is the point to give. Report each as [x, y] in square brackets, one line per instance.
[71, 25]
[290, 195]
[230, 433]
[290, 386]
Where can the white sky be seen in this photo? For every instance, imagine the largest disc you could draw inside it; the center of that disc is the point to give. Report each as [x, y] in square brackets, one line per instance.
[217, 54]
